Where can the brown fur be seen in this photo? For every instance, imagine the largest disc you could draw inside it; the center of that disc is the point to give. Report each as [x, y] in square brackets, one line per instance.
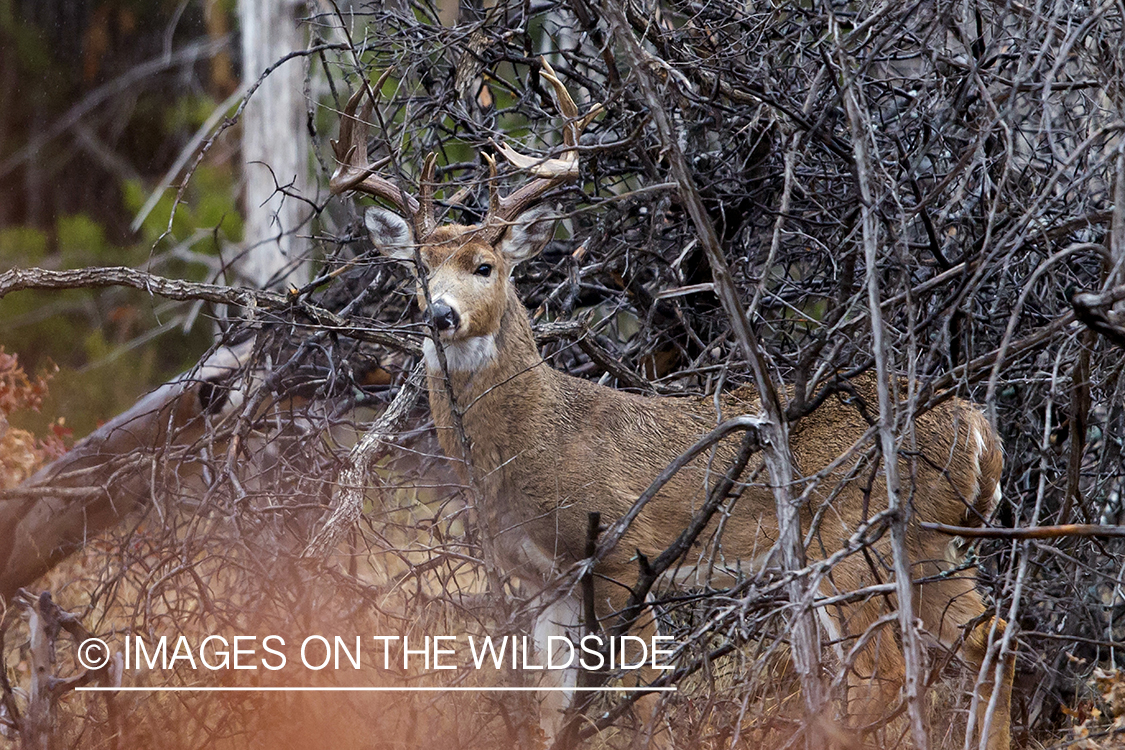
[548, 448]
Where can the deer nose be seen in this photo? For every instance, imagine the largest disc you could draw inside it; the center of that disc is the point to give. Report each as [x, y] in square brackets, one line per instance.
[444, 317]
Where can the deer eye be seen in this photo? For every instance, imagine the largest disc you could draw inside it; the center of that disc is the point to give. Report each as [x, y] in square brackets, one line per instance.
[484, 269]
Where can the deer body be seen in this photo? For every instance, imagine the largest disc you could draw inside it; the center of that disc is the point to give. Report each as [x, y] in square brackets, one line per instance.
[544, 449]
[549, 448]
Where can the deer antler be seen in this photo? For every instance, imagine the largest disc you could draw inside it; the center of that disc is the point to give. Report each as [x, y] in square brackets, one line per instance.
[548, 173]
[356, 173]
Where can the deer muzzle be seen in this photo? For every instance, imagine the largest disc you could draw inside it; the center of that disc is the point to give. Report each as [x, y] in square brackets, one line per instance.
[443, 317]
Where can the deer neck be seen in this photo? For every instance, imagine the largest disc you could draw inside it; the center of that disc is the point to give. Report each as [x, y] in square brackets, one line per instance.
[493, 380]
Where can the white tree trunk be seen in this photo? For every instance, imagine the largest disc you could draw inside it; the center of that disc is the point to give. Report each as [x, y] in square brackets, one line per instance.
[274, 146]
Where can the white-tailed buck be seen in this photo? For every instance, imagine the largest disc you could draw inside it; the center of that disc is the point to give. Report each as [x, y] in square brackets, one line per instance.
[546, 448]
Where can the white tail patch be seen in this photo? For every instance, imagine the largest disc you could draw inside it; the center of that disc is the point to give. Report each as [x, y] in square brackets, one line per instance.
[980, 431]
[978, 453]
[997, 496]
[979, 440]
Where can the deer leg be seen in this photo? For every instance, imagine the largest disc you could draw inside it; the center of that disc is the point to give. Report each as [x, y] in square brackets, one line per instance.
[946, 607]
[863, 637]
[561, 620]
[876, 664]
[646, 708]
[975, 649]
[557, 620]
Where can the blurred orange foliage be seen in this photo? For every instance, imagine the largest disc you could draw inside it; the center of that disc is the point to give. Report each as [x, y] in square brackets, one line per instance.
[21, 453]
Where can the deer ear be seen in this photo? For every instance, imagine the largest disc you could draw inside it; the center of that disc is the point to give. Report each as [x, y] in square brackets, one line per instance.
[391, 233]
[529, 234]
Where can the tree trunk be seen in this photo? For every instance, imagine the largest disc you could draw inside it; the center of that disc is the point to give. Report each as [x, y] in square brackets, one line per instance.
[275, 158]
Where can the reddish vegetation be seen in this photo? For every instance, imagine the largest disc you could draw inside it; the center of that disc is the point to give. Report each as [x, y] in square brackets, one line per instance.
[21, 453]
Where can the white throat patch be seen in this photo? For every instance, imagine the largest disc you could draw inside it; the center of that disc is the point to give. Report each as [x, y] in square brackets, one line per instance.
[461, 356]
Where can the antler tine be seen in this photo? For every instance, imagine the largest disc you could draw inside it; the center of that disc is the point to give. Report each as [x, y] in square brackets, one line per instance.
[354, 172]
[424, 220]
[349, 169]
[493, 186]
[549, 173]
[574, 124]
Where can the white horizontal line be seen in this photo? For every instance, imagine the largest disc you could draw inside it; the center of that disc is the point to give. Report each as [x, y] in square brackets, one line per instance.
[411, 689]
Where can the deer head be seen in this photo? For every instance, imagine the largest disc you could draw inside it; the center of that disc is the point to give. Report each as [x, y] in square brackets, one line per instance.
[465, 287]
[466, 283]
